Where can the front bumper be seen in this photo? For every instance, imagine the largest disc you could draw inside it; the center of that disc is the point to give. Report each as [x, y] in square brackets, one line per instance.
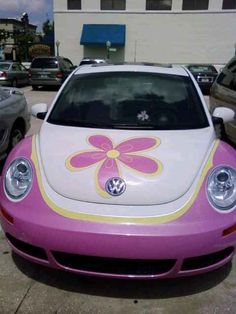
[123, 251]
[53, 82]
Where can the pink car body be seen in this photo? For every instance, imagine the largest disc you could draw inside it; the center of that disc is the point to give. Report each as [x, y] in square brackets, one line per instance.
[195, 241]
[69, 221]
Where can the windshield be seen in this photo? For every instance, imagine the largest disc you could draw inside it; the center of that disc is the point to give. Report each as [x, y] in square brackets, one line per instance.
[45, 63]
[202, 68]
[129, 100]
[4, 66]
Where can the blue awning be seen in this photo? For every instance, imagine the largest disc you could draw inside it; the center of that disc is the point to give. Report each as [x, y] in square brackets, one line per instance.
[99, 34]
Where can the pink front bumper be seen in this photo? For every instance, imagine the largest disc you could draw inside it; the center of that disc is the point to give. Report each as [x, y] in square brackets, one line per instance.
[124, 251]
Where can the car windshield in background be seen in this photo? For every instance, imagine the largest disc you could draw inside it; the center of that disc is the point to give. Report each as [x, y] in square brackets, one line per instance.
[129, 100]
[4, 66]
[45, 63]
[207, 69]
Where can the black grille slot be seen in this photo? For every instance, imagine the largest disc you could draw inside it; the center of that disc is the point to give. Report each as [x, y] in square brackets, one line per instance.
[203, 261]
[26, 248]
[117, 266]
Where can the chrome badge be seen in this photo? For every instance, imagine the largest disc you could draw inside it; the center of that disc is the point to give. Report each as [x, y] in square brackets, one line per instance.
[115, 186]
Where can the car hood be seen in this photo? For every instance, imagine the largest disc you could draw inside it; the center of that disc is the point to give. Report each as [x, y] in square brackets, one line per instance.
[157, 166]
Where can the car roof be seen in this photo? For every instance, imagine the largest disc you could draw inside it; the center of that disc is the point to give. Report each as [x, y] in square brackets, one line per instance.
[48, 57]
[133, 67]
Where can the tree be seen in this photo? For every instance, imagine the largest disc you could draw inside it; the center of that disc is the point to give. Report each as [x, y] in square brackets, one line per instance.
[48, 27]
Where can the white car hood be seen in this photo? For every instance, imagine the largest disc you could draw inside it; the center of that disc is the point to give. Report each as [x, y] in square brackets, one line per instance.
[179, 154]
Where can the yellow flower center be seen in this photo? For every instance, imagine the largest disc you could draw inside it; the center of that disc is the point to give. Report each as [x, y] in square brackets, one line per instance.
[113, 153]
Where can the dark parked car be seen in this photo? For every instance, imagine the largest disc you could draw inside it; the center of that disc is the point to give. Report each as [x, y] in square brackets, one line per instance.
[204, 74]
[223, 94]
[49, 71]
[13, 74]
[14, 119]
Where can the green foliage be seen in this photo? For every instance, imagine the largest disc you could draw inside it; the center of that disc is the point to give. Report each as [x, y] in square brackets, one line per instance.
[48, 27]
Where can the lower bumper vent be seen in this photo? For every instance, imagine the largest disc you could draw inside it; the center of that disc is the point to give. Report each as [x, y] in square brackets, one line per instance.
[26, 248]
[114, 265]
[203, 261]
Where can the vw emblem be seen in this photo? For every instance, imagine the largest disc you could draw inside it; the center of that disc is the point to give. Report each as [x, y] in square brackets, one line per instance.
[115, 186]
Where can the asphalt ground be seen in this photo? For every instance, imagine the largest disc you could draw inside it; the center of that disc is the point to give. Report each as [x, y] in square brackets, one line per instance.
[29, 288]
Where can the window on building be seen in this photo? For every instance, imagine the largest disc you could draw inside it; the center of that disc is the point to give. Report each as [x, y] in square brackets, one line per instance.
[113, 4]
[74, 4]
[229, 4]
[158, 4]
[195, 4]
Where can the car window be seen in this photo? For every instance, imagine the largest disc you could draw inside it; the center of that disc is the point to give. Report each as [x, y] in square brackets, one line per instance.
[232, 66]
[22, 67]
[16, 67]
[66, 64]
[4, 66]
[44, 63]
[202, 68]
[227, 79]
[129, 100]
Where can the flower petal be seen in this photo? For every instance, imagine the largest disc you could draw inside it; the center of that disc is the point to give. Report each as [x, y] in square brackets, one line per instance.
[101, 142]
[108, 170]
[146, 165]
[85, 159]
[137, 144]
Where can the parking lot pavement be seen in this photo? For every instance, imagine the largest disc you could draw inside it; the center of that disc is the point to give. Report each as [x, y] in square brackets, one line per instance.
[30, 288]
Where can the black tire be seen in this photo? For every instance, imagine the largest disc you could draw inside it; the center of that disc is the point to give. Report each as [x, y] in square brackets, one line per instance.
[35, 87]
[14, 83]
[17, 134]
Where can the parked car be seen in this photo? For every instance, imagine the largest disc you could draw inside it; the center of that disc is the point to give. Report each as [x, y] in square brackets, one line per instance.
[86, 61]
[126, 178]
[223, 94]
[204, 74]
[14, 119]
[49, 71]
[13, 74]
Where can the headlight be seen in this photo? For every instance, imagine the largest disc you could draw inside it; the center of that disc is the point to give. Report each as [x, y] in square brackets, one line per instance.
[18, 179]
[221, 188]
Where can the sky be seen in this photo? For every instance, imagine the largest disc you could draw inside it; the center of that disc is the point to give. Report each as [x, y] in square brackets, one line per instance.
[38, 10]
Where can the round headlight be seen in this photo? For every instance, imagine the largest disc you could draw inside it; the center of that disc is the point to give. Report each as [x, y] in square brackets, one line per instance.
[221, 188]
[18, 179]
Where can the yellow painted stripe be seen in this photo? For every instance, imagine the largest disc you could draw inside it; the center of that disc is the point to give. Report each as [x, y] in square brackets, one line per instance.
[111, 219]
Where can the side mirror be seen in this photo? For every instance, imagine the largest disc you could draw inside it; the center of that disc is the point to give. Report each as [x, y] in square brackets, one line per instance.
[223, 113]
[220, 116]
[39, 111]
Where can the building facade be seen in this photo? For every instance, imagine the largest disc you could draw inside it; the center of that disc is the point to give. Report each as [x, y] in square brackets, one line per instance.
[10, 30]
[163, 31]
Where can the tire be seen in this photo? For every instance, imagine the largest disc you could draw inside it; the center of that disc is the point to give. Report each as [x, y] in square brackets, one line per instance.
[14, 83]
[35, 87]
[16, 136]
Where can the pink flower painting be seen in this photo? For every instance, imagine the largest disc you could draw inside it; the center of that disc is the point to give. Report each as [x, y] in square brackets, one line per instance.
[110, 157]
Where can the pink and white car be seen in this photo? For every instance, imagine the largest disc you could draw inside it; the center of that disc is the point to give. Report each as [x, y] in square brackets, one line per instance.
[125, 179]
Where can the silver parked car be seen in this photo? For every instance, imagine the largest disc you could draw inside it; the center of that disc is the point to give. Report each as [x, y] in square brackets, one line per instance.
[49, 71]
[223, 94]
[13, 74]
[14, 119]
